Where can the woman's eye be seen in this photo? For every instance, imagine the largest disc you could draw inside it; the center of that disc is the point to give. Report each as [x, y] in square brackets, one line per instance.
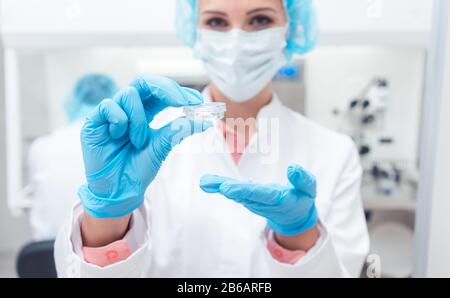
[260, 21]
[216, 23]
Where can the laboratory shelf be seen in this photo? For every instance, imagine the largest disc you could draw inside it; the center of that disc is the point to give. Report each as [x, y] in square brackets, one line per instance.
[403, 199]
[80, 39]
[410, 39]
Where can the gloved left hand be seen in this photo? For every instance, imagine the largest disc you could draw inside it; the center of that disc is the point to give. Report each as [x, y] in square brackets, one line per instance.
[289, 210]
[122, 154]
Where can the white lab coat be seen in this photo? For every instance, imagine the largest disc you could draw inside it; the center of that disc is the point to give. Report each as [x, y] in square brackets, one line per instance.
[183, 232]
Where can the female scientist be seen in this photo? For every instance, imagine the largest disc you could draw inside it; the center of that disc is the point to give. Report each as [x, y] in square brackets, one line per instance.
[290, 209]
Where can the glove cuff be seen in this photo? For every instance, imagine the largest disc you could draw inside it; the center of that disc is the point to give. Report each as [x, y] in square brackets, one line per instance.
[100, 207]
[294, 229]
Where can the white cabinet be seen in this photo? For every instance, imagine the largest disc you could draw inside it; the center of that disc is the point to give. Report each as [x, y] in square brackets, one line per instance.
[151, 22]
[375, 22]
[375, 15]
[68, 23]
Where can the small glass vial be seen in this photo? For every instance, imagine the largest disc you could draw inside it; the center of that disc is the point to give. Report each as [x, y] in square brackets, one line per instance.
[211, 111]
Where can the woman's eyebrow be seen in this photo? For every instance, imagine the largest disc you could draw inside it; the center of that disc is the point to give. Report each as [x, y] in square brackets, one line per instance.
[261, 9]
[214, 12]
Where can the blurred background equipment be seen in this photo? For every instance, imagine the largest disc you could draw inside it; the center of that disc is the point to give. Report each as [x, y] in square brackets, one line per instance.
[365, 112]
[35, 260]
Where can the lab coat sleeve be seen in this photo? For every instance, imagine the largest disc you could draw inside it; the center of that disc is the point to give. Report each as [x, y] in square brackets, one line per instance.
[69, 256]
[346, 222]
[344, 242]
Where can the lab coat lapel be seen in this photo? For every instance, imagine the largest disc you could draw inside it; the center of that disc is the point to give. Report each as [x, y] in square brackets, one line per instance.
[269, 155]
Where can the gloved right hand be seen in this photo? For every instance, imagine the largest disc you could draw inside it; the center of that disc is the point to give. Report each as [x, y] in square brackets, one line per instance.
[122, 154]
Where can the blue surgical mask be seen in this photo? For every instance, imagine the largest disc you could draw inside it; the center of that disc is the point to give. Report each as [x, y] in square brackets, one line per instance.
[241, 63]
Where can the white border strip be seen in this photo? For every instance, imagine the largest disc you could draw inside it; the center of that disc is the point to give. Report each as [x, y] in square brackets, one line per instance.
[429, 139]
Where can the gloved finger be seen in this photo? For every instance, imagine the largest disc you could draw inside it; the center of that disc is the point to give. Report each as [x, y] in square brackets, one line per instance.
[212, 183]
[109, 112]
[128, 99]
[240, 191]
[302, 180]
[175, 132]
[158, 93]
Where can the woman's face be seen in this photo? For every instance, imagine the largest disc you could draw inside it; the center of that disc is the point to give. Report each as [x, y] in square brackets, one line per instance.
[248, 15]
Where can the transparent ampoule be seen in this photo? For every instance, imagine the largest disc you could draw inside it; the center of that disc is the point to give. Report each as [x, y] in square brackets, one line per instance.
[211, 111]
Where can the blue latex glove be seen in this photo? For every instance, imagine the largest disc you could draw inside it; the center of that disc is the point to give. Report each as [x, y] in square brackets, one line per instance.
[289, 210]
[122, 154]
